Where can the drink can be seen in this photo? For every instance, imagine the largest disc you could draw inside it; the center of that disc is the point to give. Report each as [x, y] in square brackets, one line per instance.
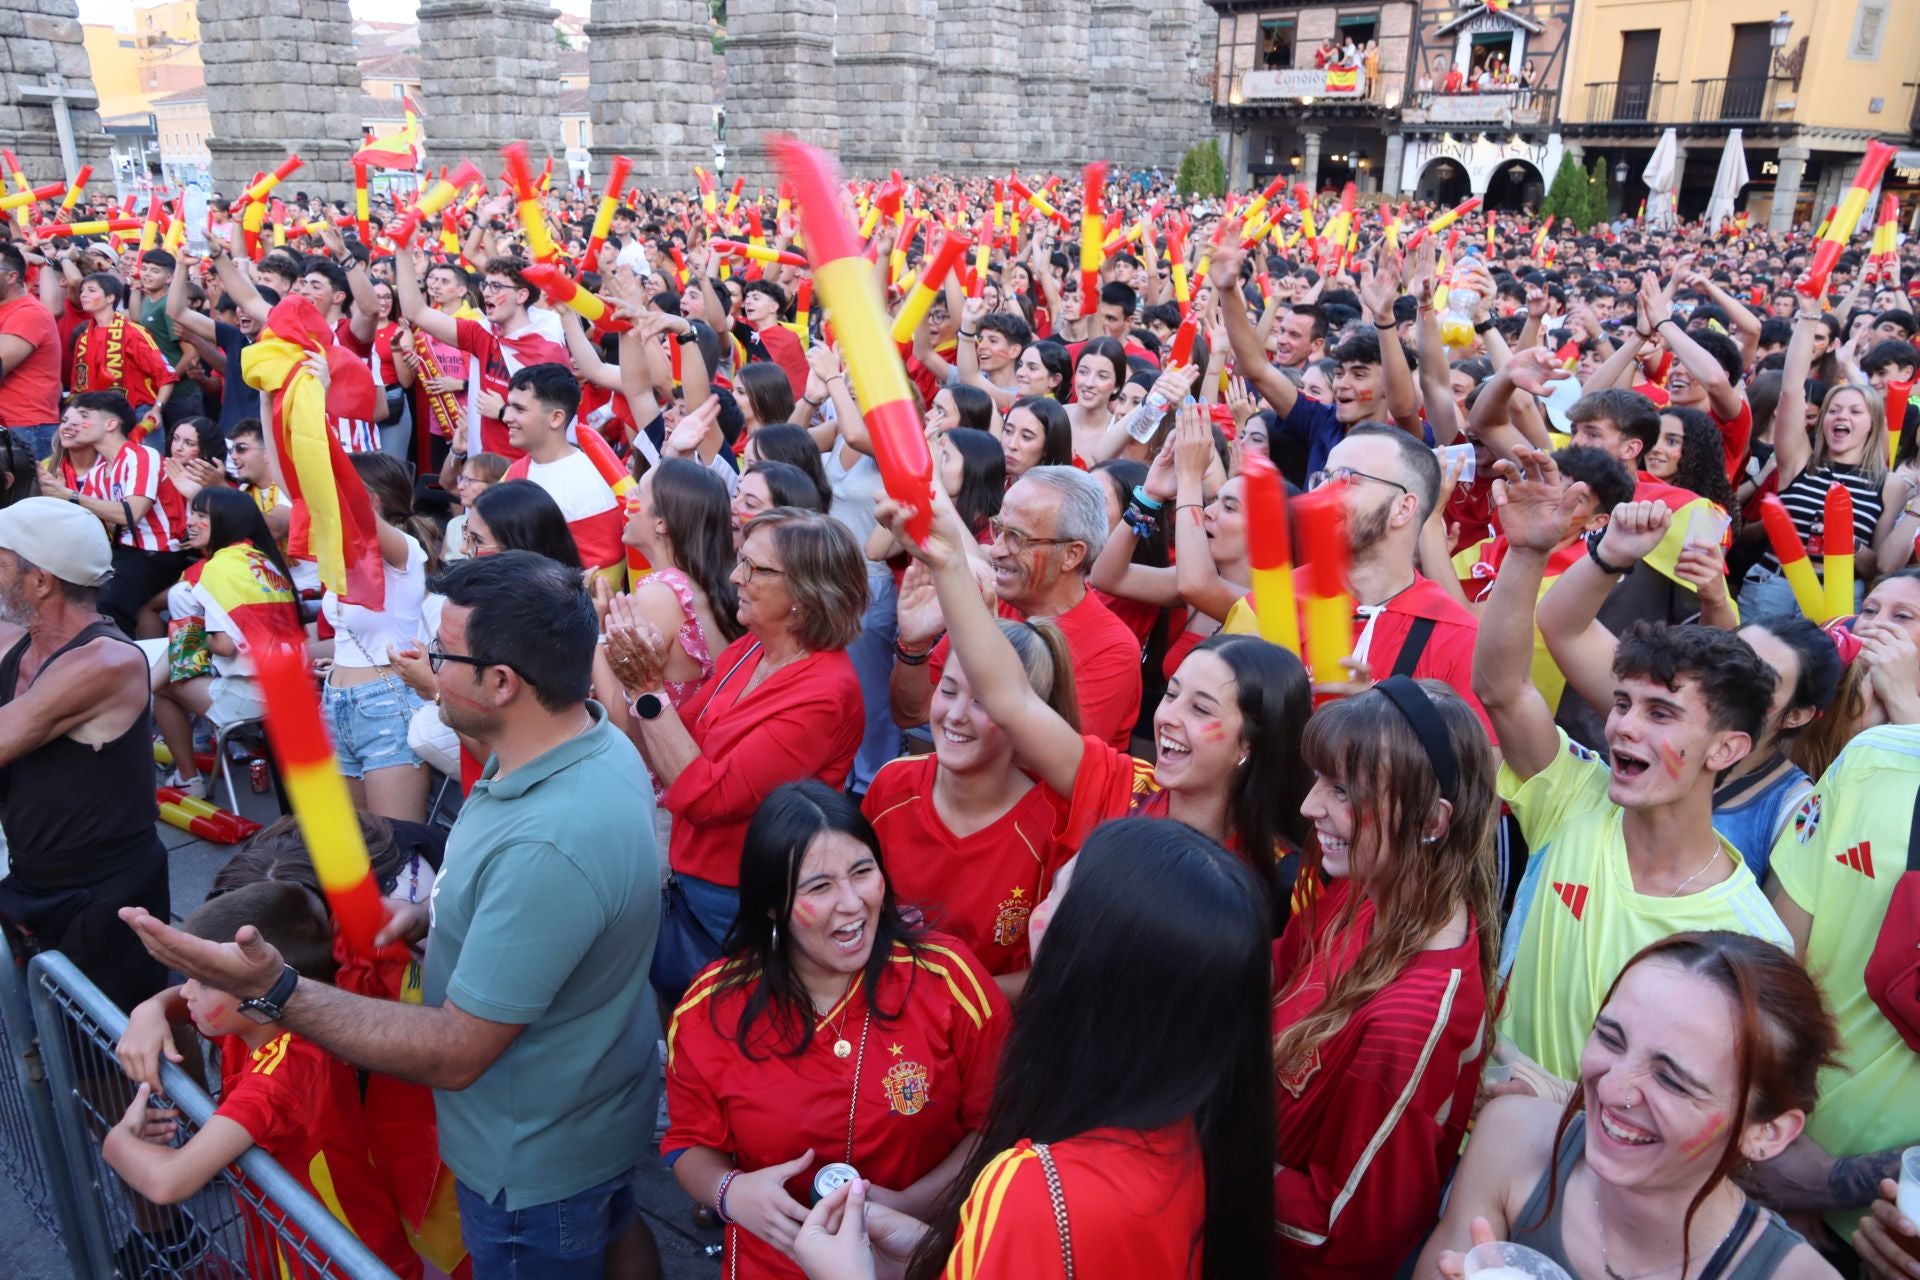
[831, 1178]
[257, 775]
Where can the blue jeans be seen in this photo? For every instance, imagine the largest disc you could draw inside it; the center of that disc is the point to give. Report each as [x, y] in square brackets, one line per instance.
[562, 1240]
[1765, 597]
[39, 439]
[872, 655]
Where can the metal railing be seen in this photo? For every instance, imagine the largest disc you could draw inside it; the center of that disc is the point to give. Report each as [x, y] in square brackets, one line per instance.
[1628, 101]
[1733, 99]
[30, 1153]
[253, 1219]
[1508, 108]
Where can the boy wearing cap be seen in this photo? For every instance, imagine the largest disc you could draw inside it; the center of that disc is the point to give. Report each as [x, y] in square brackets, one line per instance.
[76, 756]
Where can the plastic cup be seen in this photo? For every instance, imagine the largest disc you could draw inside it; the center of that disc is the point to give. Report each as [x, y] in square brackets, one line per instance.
[1908, 1198]
[1504, 1260]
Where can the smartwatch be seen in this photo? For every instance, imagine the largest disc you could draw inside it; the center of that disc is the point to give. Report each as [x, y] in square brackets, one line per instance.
[647, 706]
[271, 1006]
[684, 338]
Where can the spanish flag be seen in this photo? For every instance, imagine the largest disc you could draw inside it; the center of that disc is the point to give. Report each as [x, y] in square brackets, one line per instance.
[395, 150]
[339, 529]
[1343, 79]
[247, 587]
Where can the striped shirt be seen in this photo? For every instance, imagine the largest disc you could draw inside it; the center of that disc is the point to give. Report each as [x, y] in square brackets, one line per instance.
[1806, 500]
[595, 518]
[134, 472]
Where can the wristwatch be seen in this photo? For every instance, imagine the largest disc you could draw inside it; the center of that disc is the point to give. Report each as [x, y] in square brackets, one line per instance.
[684, 338]
[271, 1006]
[1485, 325]
[647, 706]
[1593, 554]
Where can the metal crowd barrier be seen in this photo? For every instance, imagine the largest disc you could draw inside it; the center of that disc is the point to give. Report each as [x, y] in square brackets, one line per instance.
[253, 1220]
[30, 1154]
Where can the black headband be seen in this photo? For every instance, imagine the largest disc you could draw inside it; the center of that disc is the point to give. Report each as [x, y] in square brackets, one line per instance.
[1405, 693]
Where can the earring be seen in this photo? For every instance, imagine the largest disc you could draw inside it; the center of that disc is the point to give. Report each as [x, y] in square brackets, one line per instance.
[776, 936]
[1243, 760]
[1429, 839]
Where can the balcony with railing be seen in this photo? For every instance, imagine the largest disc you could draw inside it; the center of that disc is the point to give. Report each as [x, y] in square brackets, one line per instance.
[1629, 104]
[1738, 100]
[1499, 108]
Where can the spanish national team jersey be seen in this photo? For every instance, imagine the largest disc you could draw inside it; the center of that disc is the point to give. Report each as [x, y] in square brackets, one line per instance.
[980, 887]
[1838, 860]
[923, 1075]
[1577, 918]
[301, 1105]
[1135, 1204]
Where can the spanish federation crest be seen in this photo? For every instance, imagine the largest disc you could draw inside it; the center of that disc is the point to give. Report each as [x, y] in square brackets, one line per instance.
[1296, 1074]
[1010, 925]
[906, 1086]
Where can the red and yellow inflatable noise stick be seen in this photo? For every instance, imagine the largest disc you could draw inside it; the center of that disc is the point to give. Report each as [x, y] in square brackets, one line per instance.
[803, 307]
[1836, 562]
[757, 252]
[1883, 258]
[33, 195]
[1444, 221]
[1093, 233]
[733, 196]
[527, 200]
[362, 215]
[1039, 203]
[1897, 394]
[95, 227]
[851, 295]
[318, 792]
[555, 283]
[1840, 226]
[202, 818]
[265, 184]
[927, 287]
[80, 181]
[1177, 263]
[1792, 555]
[1254, 206]
[1322, 517]
[609, 201]
[1183, 341]
[707, 204]
[604, 460]
[1271, 553]
[432, 201]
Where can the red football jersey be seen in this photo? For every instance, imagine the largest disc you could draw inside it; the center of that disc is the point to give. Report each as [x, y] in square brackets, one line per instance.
[924, 1076]
[979, 888]
[1136, 1206]
[301, 1105]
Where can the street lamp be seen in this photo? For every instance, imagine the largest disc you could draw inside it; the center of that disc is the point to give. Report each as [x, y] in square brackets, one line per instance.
[1779, 31]
[1620, 173]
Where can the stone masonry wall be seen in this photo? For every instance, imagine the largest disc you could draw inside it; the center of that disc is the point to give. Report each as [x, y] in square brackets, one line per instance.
[651, 89]
[38, 39]
[491, 75]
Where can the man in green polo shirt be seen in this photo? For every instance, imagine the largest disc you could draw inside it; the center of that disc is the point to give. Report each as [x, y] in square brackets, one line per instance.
[537, 1029]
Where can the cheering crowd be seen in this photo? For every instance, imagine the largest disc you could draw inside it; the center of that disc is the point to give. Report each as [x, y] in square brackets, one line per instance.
[1028, 906]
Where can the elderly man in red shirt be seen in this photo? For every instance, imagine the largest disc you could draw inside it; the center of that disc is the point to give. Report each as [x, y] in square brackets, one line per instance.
[1050, 529]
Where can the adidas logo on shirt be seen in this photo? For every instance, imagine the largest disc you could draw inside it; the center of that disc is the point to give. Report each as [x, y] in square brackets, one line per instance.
[1574, 895]
[1860, 858]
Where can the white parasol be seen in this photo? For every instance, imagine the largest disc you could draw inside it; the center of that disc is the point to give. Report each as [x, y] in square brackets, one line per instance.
[1727, 183]
[1662, 176]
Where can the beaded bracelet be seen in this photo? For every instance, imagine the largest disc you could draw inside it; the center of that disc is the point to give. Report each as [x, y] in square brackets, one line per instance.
[720, 1196]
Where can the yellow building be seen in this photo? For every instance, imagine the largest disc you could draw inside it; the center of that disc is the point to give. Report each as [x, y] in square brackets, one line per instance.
[114, 57]
[1807, 90]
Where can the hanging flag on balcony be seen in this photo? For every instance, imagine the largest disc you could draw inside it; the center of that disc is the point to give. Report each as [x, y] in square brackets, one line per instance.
[1343, 79]
[1498, 6]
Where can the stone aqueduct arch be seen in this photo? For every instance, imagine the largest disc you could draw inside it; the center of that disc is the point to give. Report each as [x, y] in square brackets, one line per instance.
[965, 86]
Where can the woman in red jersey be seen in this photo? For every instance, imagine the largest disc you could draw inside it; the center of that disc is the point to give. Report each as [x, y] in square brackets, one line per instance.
[1129, 1133]
[827, 1033]
[967, 833]
[1380, 1011]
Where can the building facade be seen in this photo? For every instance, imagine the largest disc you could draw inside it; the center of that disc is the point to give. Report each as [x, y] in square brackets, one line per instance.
[1807, 90]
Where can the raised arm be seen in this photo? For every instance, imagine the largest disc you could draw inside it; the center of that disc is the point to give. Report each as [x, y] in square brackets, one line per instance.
[1569, 614]
[1379, 287]
[1746, 325]
[1536, 512]
[1195, 573]
[414, 306]
[1041, 739]
[1704, 369]
[235, 284]
[1793, 450]
[1249, 352]
[185, 319]
[1528, 373]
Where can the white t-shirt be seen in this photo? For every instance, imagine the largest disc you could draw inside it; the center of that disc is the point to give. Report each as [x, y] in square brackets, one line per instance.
[362, 636]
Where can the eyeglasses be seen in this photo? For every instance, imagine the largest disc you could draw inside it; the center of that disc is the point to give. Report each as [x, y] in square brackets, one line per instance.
[1346, 475]
[470, 543]
[754, 570]
[438, 658]
[493, 286]
[1017, 541]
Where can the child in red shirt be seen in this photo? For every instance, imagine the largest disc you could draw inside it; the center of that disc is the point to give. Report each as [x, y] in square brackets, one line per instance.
[278, 1092]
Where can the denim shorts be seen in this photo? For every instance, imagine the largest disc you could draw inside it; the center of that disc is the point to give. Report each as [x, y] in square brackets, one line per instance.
[369, 724]
[561, 1240]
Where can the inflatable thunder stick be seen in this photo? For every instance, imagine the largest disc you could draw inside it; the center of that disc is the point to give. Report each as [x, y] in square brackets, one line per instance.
[1328, 603]
[1792, 555]
[1269, 550]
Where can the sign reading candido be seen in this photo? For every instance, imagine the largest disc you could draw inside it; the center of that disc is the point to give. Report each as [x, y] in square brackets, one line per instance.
[1304, 82]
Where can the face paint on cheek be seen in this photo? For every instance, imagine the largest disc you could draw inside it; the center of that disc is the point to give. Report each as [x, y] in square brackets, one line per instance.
[807, 912]
[1695, 1147]
[1363, 395]
[1212, 731]
[1672, 760]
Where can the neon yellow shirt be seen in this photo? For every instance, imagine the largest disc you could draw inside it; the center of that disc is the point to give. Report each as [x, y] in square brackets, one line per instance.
[1577, 919]
[1838, 862]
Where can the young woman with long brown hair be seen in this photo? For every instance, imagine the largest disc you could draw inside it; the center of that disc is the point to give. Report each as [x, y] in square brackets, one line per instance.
[1383, 976]
[1705, 1056]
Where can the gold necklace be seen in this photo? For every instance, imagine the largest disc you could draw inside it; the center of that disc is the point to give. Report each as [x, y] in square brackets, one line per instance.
[841, 1047]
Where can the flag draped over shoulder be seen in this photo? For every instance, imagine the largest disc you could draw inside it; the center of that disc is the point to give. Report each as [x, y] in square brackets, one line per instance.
[251, 591]
[340, 534]
[400, 150]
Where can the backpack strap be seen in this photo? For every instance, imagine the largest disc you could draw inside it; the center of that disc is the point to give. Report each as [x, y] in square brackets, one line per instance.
[1058, 1195]
[1416, 644]
[1913, 835]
